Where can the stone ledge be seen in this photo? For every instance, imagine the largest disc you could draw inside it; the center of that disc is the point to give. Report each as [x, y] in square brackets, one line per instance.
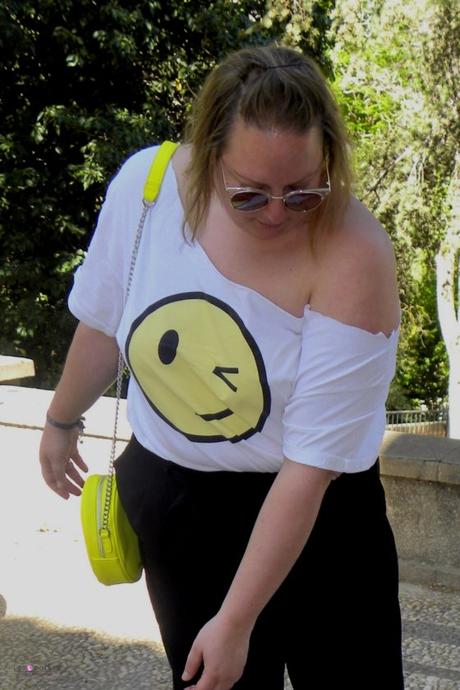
[15, 367]
[425, 458]
[25, 408]
[421, 476]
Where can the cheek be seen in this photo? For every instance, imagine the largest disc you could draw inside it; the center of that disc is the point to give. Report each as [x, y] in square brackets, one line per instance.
[242, 220]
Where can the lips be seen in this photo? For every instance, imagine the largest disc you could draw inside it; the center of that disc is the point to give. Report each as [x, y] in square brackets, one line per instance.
[270, 227]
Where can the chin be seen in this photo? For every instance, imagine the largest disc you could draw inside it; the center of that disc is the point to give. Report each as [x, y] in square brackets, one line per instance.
[262, 233]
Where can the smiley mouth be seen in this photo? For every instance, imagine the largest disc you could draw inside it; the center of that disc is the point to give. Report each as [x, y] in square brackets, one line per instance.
[217, 415]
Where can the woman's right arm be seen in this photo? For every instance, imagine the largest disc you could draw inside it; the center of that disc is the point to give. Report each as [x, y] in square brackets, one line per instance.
[90, 368]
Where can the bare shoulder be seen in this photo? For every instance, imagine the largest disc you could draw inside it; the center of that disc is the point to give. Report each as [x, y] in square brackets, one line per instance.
[356, 277]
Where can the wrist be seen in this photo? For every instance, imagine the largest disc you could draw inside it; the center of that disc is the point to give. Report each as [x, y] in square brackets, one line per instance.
[237, 619]
[65, 426]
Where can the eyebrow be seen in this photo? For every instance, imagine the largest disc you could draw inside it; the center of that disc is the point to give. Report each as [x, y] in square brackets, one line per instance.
[261, 185]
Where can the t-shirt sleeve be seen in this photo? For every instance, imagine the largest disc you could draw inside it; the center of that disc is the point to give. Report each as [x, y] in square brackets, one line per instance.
[335, 417]
[99, 289]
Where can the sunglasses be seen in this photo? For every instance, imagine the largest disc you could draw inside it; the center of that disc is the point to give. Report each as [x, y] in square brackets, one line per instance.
[248, 199]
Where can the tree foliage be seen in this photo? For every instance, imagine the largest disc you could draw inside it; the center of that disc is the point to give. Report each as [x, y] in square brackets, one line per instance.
[84, 84]
[397, 74]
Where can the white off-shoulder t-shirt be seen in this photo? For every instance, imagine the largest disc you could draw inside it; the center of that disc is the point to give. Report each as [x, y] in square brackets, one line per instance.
[221, 377]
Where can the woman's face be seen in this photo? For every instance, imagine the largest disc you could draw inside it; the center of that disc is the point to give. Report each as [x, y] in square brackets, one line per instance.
[277, 161]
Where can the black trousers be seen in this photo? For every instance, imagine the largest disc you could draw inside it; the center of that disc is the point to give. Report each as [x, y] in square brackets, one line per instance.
[334, 622]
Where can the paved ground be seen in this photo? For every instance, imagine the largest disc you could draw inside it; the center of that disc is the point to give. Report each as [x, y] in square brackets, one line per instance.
[64, 631]
[43, 656]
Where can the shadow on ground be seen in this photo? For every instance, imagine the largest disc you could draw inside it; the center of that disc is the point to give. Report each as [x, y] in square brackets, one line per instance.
[36, 654]
[40, 655]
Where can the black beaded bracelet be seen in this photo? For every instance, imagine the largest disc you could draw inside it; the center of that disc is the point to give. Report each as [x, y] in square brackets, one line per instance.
[66, 425]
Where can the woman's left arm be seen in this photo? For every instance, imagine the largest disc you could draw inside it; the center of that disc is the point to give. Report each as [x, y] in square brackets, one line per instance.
[282, 528]
[357, 286]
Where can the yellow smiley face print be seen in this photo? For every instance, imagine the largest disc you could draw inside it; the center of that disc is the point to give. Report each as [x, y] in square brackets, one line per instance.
[199, 368]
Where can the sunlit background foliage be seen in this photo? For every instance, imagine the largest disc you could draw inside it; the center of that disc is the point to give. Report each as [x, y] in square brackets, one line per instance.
[84, 84]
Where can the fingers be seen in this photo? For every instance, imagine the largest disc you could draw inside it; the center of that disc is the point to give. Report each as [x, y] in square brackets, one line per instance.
[59, 458]
[210, 681]
[53, 482]
[57, 482]
[217, 657]
[74, 475]
[60, 483]
[78, 460]
[193, 663]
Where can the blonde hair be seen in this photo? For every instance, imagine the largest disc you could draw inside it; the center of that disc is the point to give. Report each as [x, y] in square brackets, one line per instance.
[267, 87]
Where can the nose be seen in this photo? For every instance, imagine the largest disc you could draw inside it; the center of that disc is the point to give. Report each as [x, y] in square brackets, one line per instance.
[275, 212]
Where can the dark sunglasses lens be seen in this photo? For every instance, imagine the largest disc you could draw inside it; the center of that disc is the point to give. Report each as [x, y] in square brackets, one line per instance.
[248, 201]
[303, 201]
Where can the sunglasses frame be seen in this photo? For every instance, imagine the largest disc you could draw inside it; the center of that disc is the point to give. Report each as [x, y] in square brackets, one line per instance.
[318, 191]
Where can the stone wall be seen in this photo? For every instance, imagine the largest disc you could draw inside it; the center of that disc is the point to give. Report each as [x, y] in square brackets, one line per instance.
[421, 475]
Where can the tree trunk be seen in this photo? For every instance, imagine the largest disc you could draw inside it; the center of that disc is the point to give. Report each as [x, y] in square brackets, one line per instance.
[450, 328]
[454, 397]
[448, 298]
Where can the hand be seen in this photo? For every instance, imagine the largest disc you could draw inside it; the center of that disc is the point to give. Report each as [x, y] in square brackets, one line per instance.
[222, 650]
[58, 457]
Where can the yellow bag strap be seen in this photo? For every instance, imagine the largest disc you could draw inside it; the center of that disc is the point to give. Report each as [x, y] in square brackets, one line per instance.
[157, 171]
[151, 190]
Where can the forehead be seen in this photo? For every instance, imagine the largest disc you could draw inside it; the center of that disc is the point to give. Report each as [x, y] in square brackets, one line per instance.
[268, 155]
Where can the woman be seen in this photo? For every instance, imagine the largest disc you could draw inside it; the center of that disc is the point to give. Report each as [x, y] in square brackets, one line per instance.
[261, 331]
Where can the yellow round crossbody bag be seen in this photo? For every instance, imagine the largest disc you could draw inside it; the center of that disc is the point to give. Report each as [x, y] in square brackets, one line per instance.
[111, 543]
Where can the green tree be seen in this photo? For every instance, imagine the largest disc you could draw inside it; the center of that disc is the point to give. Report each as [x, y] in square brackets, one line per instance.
[397, 65]
[84, 84]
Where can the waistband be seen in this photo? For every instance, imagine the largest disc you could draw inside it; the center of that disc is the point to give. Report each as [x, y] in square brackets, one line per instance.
[136, 450]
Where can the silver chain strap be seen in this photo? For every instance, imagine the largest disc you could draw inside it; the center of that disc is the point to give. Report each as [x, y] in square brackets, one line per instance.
[147, 205]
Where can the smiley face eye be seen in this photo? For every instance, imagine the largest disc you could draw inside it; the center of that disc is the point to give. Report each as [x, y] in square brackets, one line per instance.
[220, 373]
[167, 347]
